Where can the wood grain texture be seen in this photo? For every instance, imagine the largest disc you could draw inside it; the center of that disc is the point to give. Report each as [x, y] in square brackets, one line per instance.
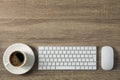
[61, 22]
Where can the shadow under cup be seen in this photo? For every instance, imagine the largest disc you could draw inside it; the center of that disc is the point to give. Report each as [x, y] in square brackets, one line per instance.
[17, 58]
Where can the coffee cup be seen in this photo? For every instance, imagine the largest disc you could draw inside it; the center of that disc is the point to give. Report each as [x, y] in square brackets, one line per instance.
[18, 58]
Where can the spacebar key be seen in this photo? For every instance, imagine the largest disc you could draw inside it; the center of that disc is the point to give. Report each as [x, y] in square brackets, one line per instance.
[65, 67]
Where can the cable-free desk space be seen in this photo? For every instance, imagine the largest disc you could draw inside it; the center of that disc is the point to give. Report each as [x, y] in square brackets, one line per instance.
[61, 22]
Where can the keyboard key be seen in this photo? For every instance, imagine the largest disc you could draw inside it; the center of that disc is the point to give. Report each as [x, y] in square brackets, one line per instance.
[41, 48]
[65, 64]
[62, 48]
[77, 67]
[66, 55]
[49, 64]
[54, 48]
[81, 63]
[59, 60]
[94, 67]
[82, 48]
[52, 67]
[50, 48]
[82, 67]
[57, 63]
[90, 67]
[61, 63]
[41, 56]
[86, 48]
[93, 52]
[67, 60]
[65, 67]
[58, 48]
[53, 63]
[55, 60]
[66, 48]
[90, 48]
[63, 60]
[69, 63]
[86, 67]
[94, 48]
[48, 68]
[71, 59]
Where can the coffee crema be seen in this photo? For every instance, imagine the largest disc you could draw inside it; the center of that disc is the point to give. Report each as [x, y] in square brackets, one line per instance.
[17, 58]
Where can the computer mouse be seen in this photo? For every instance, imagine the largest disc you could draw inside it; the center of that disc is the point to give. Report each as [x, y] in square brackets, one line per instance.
[107, 58]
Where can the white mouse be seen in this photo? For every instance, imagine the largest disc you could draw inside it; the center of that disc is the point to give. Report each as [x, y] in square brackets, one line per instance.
[107, 58]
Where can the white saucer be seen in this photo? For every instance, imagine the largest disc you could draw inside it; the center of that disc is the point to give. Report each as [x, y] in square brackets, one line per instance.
[20, 47]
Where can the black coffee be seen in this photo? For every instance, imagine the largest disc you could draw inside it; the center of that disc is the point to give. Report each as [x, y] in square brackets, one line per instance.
[17, 58]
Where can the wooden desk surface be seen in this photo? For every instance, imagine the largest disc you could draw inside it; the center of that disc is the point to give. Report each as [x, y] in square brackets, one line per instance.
[61, 22]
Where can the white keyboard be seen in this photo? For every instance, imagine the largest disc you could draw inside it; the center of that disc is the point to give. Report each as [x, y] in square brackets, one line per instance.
[67, 58]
